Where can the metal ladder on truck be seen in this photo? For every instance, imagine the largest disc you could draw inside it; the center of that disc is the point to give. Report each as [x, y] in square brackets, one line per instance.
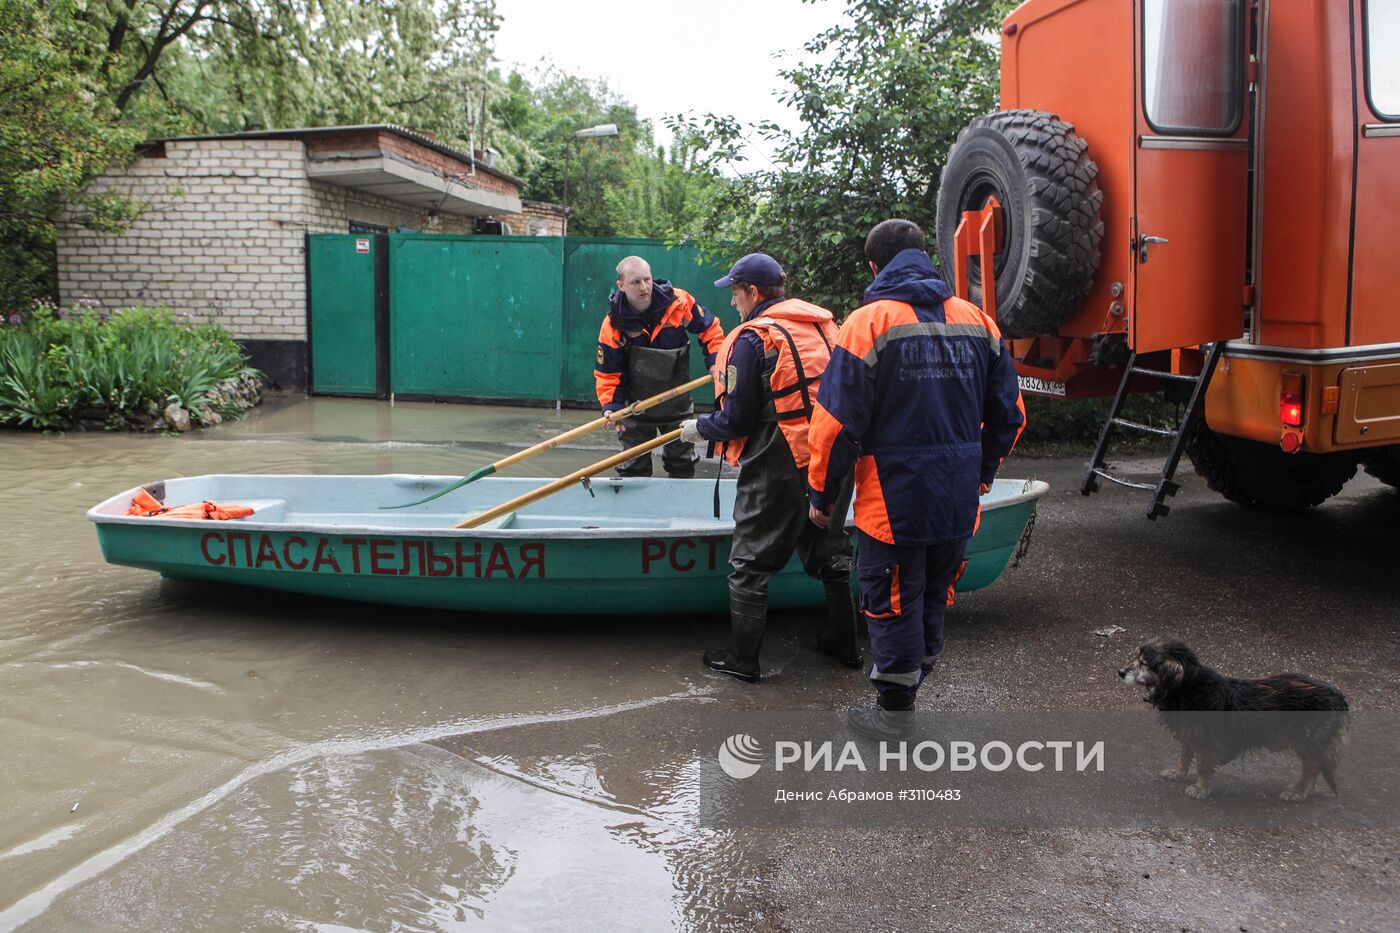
[980, 233]
[1165, 486]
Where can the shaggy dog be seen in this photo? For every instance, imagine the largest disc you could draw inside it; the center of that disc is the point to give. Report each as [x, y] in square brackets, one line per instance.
[1184, 691]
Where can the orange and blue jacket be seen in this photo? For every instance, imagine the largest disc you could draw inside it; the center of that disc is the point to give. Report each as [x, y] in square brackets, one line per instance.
[667, 325]
[921, 398]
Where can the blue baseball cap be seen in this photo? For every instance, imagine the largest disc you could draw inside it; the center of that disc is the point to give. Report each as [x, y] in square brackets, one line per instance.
[754, 269]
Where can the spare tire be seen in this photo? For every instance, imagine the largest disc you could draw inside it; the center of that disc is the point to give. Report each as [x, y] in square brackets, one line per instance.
[1041, 173]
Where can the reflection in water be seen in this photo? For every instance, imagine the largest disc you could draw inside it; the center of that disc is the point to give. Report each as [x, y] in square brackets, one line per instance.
[246, 761]
[303, 846]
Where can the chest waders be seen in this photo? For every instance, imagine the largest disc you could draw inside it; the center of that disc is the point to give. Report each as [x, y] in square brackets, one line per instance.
[770, 525]
[651, 371]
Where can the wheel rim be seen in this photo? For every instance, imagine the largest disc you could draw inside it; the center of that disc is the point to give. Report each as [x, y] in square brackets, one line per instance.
[980, 187]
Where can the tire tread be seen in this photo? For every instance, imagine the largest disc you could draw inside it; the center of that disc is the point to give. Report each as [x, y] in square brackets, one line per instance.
[1066, 230]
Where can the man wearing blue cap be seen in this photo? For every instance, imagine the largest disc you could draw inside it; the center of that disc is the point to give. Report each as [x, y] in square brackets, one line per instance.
[766, 384]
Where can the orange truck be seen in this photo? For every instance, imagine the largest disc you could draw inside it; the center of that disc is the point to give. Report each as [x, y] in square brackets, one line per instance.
[1198, 196]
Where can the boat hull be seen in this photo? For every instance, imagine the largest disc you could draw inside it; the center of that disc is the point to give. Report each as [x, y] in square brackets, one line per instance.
[580, 552]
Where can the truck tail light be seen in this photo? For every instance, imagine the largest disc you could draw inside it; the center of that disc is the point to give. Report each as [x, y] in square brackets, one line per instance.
[1290, 399]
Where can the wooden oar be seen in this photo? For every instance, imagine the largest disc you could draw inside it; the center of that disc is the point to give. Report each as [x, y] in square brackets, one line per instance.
[534, 496]
[636, 408]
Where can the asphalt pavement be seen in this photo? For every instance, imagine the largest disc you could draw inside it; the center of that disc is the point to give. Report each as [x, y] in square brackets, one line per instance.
[1254, 593]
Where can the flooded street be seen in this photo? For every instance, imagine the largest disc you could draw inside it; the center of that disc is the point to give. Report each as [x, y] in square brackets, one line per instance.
[182, 756]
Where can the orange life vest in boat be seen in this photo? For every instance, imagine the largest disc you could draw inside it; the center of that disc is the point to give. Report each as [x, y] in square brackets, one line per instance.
[146, 505]
[799, 336]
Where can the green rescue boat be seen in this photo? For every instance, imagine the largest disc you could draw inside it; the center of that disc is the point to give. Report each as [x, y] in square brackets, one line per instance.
[633, 546]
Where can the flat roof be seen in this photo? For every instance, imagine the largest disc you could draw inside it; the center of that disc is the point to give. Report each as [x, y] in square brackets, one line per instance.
[421, 139]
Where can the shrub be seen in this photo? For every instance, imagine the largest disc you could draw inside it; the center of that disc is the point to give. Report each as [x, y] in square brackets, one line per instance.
[1057, 427]
[59, 367]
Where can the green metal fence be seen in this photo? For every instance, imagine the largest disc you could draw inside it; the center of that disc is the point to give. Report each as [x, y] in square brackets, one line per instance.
[509, 318]
[590, 275]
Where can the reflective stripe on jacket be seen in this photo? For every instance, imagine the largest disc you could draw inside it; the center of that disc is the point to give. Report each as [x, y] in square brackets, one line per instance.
[797, 336]
[921, 397]
[666, 326]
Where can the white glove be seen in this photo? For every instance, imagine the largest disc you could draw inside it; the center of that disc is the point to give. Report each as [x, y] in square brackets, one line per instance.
[690, 432]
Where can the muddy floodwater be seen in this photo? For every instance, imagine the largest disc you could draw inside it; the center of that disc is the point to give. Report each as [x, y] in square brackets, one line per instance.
[180, 757]
[187, 757]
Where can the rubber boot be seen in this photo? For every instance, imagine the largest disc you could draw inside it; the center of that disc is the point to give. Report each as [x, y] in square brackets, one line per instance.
[839, 638]
[747, 616]
[883, 723]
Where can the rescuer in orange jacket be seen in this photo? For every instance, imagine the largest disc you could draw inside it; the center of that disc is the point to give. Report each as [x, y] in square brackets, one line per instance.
[765, 388]
[921, 398]
[643, 350]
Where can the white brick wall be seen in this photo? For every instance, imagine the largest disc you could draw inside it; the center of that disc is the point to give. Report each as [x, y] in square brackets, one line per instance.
[221, 235]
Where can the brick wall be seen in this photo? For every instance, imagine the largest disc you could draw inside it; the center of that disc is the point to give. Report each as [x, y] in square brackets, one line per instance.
[466, 174]
[332, 208]
[220, 237]
[221, 234]
[539, 218]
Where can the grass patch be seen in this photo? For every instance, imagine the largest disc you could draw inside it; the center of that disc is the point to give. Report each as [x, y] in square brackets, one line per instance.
[63, 368]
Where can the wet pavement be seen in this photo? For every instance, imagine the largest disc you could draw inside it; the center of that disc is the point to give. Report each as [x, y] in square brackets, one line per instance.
[191, 757]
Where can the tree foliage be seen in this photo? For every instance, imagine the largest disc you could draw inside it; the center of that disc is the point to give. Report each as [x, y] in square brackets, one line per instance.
[82, 81]
[669, 194]
[57, 130]
[883, 96]
[623, 185]
[258, 65]
[231, 65]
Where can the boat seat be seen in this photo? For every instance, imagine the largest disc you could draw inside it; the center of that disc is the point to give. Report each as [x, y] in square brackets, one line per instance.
[495, 524]
[264, 510]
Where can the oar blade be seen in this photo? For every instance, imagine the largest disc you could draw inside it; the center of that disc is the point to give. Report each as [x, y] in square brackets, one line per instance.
[471, 477]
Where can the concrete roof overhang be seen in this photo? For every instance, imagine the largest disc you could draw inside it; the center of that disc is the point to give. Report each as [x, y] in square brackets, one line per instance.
[381, 173]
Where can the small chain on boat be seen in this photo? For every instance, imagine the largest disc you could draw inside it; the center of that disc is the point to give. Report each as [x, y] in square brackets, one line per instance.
[1024, 544]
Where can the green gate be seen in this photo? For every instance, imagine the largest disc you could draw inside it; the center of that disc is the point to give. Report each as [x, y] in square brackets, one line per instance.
[340, 267]
[475, 316]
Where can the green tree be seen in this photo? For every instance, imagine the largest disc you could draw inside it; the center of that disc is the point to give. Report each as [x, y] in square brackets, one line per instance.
[883, 97]
[558, 166]
[667, 194]
[82, 81]
[625, 185]
[57, 131]
[249, 64]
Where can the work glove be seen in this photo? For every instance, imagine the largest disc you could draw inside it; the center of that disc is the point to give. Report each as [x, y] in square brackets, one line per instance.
[690, 432]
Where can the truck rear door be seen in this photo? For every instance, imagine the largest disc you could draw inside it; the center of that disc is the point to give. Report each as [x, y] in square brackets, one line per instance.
[1191, 172]
[1374, 317]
